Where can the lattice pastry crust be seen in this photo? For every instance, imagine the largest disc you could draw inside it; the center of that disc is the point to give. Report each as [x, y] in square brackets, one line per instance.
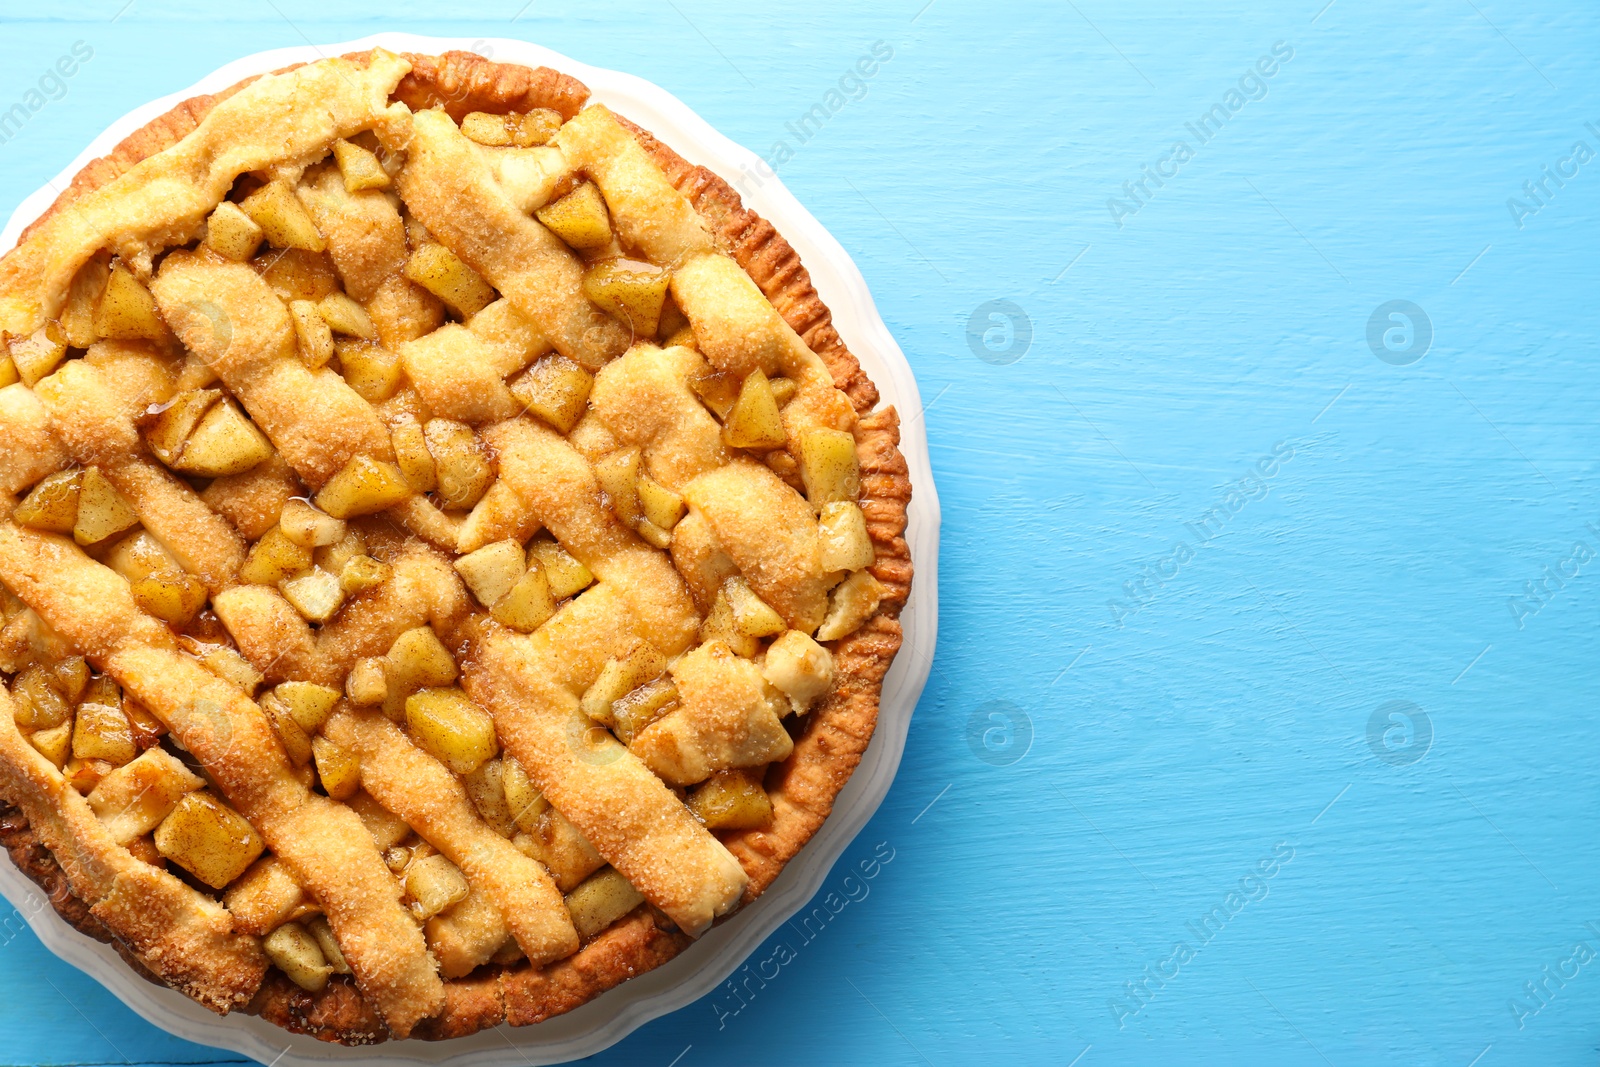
[452, 558]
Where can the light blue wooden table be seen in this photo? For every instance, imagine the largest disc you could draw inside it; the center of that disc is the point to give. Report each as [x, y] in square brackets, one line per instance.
[1263, 726]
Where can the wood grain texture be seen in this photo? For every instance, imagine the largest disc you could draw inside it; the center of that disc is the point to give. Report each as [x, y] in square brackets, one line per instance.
[1185, 746]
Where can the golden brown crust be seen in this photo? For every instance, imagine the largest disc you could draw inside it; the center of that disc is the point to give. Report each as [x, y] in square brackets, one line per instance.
[36, 861]
[463, 82]
[337, 1014]
[628, 948]
[161, 132]
[836, 734]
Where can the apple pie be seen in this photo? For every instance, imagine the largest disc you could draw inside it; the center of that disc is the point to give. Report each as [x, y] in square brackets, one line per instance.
[452, 559]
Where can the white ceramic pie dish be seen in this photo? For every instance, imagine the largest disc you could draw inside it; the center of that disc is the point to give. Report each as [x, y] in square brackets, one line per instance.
[700, 969]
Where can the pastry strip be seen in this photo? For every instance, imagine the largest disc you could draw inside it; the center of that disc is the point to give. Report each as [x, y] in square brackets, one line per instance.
[418, 515]
[531, 686]
[459, 377]
[367, 243]
[613, 799]
[466, 935]
[645, 400]
[725, 718]
[31, 450]
[422, 590]
[649, 214]
[162, 200]
[225, 314]
[734, 324]
[738, 331]
[324, 843]
[90, 417]
[449, 188]
[767, 529]
[514, 341]
[273, 636]
[423, 792]
[233, 321]
[185, 938]
[558, 486]
[252, 501]
[770, 532]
